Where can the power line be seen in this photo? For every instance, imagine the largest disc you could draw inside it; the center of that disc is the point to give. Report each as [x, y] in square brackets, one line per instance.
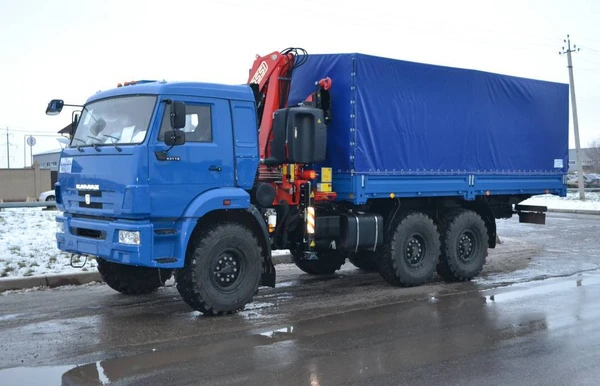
[589, 61]
[36, 131]
[586, 48]
[590, 39]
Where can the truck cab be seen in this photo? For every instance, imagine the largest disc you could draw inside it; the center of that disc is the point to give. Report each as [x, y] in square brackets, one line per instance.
[131, 191]
[125, 191]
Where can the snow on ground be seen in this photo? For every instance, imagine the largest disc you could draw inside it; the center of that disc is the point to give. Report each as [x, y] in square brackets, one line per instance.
[572, 202]
[28, 244]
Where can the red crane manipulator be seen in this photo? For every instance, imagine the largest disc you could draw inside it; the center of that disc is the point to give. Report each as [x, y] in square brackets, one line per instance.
[270, 78]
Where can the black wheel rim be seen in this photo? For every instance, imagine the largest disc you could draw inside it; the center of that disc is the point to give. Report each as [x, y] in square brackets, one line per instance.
[227, 269]
[465, 249]
[415, 250]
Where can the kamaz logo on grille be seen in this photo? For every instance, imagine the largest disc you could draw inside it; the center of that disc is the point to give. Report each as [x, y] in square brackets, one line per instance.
[87, 187]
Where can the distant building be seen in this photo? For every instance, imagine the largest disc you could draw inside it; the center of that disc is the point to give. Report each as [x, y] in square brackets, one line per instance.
[49, 160]
[587, 159]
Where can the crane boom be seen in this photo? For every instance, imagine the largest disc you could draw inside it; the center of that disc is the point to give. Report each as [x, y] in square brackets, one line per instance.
[272, 75]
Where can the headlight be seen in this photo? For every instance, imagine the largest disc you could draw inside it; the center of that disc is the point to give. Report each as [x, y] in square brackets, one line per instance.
[60, 227]
[129, 237]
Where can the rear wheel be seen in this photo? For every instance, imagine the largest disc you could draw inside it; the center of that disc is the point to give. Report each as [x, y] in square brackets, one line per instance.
[365, 260]
[410, 256]
[329, 261]
[464, 245]
[222, 269]
[131, 280]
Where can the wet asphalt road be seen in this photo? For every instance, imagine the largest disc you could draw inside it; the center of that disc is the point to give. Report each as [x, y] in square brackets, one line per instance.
[530, 319]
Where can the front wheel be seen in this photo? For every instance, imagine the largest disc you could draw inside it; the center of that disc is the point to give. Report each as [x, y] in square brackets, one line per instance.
[132, 280]
[222, 269]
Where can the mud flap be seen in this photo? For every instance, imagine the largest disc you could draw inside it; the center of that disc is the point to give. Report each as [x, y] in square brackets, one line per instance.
[268, 276]
[530, 214]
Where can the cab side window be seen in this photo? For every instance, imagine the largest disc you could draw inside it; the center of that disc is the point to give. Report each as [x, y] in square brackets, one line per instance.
[198, 123]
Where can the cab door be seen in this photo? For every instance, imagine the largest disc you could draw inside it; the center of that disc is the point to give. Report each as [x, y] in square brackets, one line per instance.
[204, 162]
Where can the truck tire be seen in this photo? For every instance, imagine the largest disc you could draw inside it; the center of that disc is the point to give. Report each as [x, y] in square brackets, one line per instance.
[222, 269]
[329, 262]
[364, 260]
[410, 255]
[132, 280]
[464, 241]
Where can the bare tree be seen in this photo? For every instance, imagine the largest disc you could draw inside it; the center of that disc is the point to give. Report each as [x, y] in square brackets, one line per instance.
[593, 153]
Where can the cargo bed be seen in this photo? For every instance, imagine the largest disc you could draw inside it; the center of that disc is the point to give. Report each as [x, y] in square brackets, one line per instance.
[412, 129]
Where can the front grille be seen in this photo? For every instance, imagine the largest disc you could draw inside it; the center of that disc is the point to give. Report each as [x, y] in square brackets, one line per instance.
[89, 233]
[89, 217]
[92, 205]
[92, 194]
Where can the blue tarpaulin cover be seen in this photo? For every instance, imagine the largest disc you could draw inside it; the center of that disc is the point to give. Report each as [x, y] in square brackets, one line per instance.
[398, 117]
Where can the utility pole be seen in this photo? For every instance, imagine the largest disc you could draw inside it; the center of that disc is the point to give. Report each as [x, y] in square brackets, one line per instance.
[575, 122]
[8, 145]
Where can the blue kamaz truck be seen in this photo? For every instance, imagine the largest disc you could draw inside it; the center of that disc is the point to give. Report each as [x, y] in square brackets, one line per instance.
[400, 167]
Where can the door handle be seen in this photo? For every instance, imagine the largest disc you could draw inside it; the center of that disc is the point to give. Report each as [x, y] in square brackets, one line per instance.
[215, 168]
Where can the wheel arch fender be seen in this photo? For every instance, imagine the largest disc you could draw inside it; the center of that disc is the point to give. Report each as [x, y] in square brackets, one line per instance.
[209, 208]
[215, 199]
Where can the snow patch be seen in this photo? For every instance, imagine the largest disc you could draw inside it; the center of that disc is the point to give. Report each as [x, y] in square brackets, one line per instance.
[570, 202]
[28, 244]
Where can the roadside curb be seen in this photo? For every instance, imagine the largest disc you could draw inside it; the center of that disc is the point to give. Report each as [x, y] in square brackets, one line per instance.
[575, 211]
[78, 278]
[50, 281]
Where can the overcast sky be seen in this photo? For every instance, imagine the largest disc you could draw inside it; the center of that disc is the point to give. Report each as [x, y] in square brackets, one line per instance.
[71, 49]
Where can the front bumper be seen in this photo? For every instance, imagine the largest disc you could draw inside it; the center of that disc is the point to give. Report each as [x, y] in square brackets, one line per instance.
[100, 238]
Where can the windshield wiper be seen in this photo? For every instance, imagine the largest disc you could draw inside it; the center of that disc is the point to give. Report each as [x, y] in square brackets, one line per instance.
[79, 146]
[95, 145]
[114, 144]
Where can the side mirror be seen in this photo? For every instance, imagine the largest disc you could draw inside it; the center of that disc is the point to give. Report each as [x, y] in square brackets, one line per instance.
[55, 107]
[174, 138]
[177, 115]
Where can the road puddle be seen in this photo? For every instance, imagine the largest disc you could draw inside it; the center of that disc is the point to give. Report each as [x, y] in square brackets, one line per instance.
[9, 317]
[33, 376]
[278, 332]
[89, 374]
[519, 291]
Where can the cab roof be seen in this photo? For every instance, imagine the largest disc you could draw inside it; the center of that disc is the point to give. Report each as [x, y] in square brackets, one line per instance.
[150, 87]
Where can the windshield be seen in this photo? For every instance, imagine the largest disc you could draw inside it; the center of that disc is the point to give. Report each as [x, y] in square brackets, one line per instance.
[122, 120]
